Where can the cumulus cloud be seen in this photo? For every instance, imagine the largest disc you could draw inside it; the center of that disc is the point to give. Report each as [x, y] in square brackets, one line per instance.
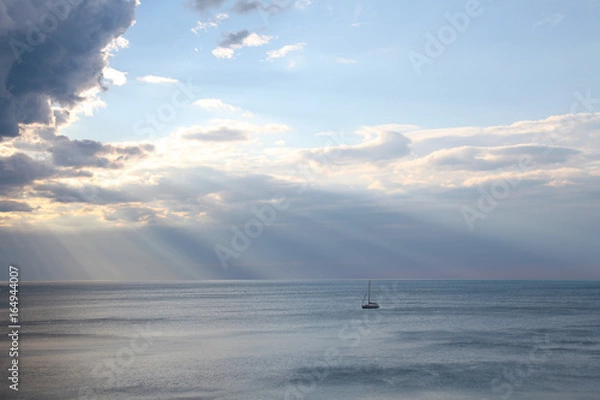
[33, 75]
[233, 41]
[114, 77]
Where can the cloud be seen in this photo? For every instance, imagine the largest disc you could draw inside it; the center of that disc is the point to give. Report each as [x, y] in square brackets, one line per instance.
[284, 51]
[19, 170]
[204, 5]
[114, 77]
[211, 23]
[233, 41]
[89, 153]
[392, 193]
[14, 206]
[228, 131]
[156, 79]
[218, 134]
[379, 144]
[78, 153]
[483, 159]
[342, 60]
[222, 52]
[91, 194]
[137, 214]
[383, 182]
[33, 73]
[302, 4]
[216, 105]
[234, 38]
[550, 19]
[272, 8]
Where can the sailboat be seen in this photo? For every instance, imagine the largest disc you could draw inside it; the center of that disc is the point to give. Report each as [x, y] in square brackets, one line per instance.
[369, 304]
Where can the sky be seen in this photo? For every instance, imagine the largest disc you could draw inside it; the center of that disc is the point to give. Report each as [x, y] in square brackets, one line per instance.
[306, 139]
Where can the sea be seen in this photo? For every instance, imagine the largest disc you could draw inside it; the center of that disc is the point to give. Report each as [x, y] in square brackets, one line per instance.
[259, 340]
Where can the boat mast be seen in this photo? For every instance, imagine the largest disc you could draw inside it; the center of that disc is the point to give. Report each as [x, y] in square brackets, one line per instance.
[369, 290]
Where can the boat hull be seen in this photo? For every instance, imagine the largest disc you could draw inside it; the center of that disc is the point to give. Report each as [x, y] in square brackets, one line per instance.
[370, 306]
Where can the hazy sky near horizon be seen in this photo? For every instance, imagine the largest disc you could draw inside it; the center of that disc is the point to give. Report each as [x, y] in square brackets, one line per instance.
[300, 139]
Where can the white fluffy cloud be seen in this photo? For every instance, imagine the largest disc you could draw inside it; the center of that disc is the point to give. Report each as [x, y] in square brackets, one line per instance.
[114, 77]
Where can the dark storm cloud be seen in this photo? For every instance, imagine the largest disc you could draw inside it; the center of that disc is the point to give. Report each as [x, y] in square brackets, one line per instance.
[19, 170]
[51, 51]
[79, 153]
[62, 193]
[14, 206]
[90, 153]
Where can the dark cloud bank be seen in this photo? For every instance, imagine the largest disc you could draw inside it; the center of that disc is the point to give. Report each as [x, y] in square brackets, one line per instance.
[51, 51]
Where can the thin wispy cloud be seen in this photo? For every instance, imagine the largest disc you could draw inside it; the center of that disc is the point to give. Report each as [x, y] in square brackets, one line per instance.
[284, 51]
[550, 19]
[343, 60]
[218, 106]
[156, 79]
[211, 23]
[302, 4]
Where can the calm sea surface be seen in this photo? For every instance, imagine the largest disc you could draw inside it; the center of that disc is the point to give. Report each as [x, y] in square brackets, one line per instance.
[308, 340]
